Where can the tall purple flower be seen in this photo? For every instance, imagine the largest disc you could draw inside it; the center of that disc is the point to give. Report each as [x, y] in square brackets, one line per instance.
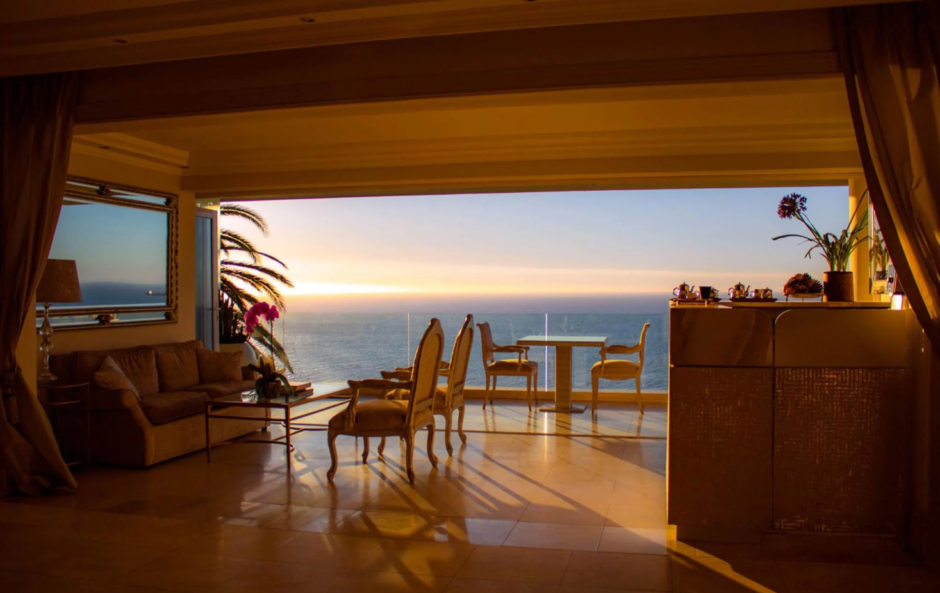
[791, 205]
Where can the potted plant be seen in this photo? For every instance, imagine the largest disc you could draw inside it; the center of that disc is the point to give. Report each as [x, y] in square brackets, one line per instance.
[232, 335]
[879, 257]
[838, 284]
[271, 378]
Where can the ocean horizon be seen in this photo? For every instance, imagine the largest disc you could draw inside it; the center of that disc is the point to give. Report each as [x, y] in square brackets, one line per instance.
[336, 346]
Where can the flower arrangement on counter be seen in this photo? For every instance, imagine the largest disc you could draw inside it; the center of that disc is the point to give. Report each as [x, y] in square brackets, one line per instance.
[802, 284]
[835, 249]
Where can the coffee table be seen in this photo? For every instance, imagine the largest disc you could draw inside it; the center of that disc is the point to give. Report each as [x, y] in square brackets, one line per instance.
[563, 346]
[319, 391]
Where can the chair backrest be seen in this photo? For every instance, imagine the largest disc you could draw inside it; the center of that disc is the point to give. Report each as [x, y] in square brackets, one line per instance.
[460, 360]
[486, 342]
[424, 373]
[642, 343]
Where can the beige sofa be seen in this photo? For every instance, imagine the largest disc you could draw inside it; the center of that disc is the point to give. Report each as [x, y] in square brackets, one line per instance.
[141, 430]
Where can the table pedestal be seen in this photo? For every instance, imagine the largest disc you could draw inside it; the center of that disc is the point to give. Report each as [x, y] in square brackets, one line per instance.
[562, 384]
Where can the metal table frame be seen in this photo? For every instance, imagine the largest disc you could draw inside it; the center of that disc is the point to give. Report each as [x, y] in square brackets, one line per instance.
[321, 391]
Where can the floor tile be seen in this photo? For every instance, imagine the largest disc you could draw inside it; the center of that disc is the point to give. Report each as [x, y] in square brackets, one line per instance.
[637, 540]
[490, 532]
[515, 564]
[641, 572]
[383, 524]
[819, 577]
[711, 575]
[555, 536]
[414, 557]
[489, 586]
[387, 582]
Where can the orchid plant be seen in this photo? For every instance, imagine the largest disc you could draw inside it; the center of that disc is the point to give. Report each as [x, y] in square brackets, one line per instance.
[835, 249]
[270, 375]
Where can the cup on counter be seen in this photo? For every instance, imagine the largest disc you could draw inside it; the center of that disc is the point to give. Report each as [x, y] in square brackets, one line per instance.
[707, 292]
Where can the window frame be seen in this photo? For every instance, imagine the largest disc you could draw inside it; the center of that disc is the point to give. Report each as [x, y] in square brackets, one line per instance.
[109, 193]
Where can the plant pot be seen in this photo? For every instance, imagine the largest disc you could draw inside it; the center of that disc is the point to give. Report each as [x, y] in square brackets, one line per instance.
[839, 287]
[881, 275]
[267, 389]
[248, 353]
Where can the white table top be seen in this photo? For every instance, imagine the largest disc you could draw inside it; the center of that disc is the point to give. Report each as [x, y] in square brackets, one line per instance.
[586, 341]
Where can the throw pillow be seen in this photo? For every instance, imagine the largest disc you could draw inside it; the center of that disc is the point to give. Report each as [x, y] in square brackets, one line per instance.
[110, 376]
[216, 367]
[177, 365]
[140, 366]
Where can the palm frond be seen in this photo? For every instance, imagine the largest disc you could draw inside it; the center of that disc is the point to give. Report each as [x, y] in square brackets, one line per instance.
[258, 283]
[261, 269]
[233, 241]
[245, 213]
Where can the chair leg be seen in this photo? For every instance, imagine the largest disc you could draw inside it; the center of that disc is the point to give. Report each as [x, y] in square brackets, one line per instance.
[410, 456]
[535, 390]
[594, 389]
[460, 413]
[528, 391]
[381, 449]
[486, 392]
[431, 455]
[365, 449]
[638, 394]
[331, 440]
[492, 393]
[448, 423]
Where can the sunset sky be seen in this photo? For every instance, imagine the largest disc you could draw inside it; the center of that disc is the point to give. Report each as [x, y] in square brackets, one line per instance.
[563, 243]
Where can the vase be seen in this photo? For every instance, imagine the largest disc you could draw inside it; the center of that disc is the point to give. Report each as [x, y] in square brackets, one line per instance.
[267, 389]
[839, 287]
[248, 353]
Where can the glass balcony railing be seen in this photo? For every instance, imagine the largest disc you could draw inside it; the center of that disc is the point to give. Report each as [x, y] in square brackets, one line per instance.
[335, 347]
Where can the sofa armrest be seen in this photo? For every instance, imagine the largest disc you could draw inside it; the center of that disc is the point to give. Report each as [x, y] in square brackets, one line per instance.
[113, 399]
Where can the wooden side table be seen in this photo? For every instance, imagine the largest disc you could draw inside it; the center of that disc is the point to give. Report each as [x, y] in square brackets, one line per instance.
[55, 396]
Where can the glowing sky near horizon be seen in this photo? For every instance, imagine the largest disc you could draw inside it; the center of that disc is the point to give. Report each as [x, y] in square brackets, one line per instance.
[558, 243]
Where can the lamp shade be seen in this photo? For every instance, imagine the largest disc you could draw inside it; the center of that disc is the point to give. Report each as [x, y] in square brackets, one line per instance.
[59, 283]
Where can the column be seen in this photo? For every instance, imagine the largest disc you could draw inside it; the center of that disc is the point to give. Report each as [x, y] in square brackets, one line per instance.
[860, 260]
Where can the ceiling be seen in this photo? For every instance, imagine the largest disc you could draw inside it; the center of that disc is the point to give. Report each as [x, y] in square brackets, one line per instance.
[60, 35]
[681, 135]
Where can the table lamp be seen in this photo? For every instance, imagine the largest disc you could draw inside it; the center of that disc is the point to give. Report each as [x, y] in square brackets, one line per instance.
[59, 284]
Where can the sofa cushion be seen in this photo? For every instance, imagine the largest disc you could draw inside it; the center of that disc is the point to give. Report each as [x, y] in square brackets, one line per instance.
[378, 415]
[167, 407]
[219, 366]
[85, 363]
[177, 365]
[140, 366]
[111, 376]
[223, 388]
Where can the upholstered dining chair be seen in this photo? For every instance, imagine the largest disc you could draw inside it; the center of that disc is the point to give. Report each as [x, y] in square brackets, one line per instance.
[450, 397]
[619, 370]
[521, 367]
[390, 417]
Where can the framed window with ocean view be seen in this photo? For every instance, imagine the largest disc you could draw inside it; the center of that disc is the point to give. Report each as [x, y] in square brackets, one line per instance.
[124, 242]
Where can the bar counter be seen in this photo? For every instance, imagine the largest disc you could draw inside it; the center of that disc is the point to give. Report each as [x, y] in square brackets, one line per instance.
[786, 416]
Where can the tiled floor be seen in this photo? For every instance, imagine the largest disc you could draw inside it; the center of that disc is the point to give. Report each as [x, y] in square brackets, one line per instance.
[507, 513]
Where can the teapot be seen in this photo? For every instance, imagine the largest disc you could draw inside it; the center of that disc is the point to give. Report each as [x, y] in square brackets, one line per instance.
[683, 291]
[762, 294]
[739, 291]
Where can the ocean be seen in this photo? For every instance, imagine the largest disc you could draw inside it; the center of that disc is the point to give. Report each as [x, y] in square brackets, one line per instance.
[335, 346]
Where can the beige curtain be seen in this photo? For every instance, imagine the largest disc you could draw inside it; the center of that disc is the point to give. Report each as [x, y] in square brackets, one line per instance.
[36, 116]
[890, 56]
